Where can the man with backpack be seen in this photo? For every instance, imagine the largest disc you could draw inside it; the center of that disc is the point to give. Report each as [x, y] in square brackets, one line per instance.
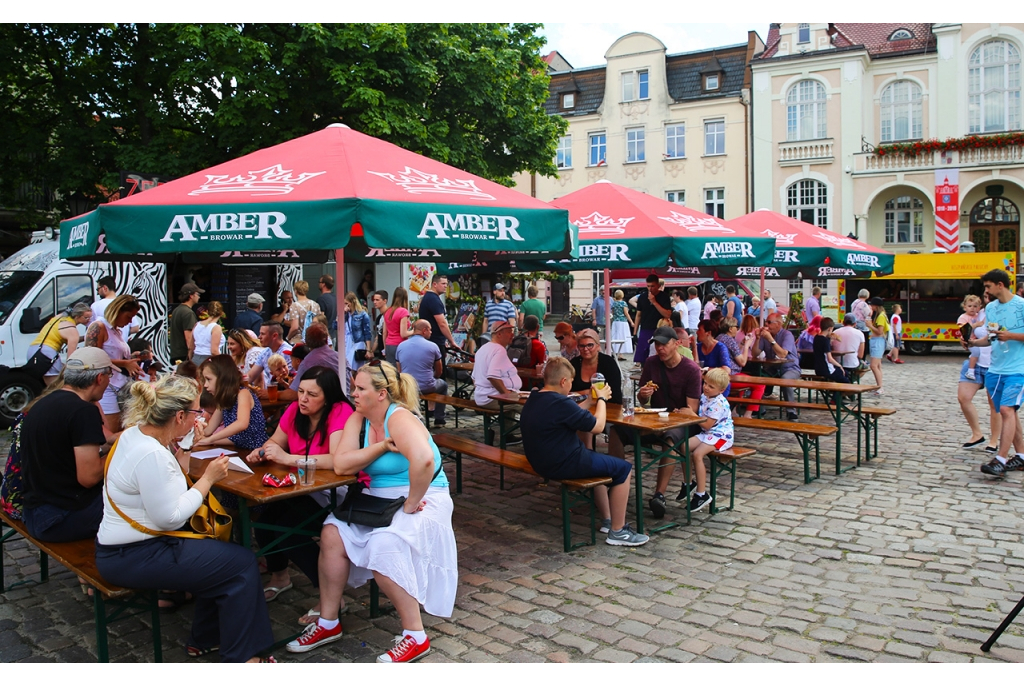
[526, 350]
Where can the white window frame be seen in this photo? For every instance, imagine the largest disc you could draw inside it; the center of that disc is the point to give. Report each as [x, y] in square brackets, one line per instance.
[808, 194]
[568, 100]
[637, 82]
[603, 146]
[806, 111]
[675, 141]
[819, 283]
[707, 82]
[795, 285]
[901, 34]
[803, 33]
[906, 211]
[676, 197]
[714, 199]
[901, 101]
[636, 145]
[994, 107]
[714, 137]
[563, 152]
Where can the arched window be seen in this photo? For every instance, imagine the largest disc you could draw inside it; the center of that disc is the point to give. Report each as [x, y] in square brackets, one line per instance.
[904, 220]
[995, 225]
[901, 34]
[993, 88]
[901, 111]
[807, 201]
[805, 111]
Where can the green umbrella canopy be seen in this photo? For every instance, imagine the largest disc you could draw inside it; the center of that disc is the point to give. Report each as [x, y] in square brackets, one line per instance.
[321, 191]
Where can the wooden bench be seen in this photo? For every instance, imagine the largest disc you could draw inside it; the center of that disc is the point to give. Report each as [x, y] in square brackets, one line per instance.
[111, 603]
[869, 417]
[459, 404]
[807, 434]
[726, 460]
[578, 491]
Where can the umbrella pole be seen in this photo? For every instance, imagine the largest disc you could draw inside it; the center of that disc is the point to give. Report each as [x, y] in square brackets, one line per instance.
[339, 287]
[761, 295]
[607, 312]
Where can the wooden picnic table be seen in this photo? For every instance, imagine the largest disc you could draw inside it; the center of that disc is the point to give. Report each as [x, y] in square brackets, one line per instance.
[834, 395]
[645, 456]
[251, 491]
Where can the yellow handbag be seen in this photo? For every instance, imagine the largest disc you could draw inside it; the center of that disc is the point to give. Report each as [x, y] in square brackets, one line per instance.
[210, 520]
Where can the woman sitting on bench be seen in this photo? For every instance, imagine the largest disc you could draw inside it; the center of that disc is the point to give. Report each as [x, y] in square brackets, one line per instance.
[146, 484]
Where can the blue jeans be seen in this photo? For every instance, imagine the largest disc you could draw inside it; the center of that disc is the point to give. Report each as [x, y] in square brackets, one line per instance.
[231, 610]
[53, 524]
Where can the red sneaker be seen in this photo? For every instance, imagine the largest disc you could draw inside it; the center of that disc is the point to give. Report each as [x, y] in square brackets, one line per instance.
[314, 636]
[404, 651]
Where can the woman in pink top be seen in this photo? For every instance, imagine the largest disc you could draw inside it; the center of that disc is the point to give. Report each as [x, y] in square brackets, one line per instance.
[311, 426]
[396, 323]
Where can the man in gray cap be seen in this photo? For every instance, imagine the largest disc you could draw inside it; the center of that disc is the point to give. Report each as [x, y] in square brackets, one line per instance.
[61, 460]
[183, 320]
[500, 309]
[250, 318]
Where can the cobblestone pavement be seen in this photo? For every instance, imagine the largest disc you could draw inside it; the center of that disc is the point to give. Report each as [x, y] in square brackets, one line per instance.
[914, 557]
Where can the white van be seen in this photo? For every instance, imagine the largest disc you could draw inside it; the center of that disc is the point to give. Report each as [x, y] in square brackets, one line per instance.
[35, 284]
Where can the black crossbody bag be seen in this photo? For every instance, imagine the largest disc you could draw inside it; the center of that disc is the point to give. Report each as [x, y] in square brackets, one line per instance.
[368, 510]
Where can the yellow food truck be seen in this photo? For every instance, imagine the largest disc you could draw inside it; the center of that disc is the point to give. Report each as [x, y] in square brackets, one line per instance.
[931, 288]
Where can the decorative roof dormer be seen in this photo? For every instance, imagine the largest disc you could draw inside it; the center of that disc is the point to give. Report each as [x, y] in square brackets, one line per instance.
[711, 75]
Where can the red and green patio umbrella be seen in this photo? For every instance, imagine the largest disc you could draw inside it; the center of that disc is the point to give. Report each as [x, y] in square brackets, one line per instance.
[325, 190]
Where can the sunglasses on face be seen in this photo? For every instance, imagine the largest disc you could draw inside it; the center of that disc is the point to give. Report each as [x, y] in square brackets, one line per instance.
[559, 338]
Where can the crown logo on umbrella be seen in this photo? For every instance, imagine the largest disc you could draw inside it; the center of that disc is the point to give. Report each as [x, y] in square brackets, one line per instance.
[419, 182]
[270, 181]
[605, 225]
[780, 238]
[696, 224]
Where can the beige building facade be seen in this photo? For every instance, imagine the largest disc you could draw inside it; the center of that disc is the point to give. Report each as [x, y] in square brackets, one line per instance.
[672, 126]
[827, 96]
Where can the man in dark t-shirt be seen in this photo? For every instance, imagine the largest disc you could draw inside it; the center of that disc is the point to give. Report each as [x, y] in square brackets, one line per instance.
[183, 320]
[433, 312]
[62, 468]
[652, 306]
[550, 421]
[672, 381]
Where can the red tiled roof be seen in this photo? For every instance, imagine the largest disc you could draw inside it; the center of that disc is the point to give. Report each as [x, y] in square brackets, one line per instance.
[873, 37]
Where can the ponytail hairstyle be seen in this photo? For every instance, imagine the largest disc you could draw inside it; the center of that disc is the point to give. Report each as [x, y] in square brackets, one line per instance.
[214, 310]
[157, 404]
[402, 388]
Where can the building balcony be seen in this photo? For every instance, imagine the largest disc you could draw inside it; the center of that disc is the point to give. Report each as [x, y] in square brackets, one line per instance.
[799, 152]
[868, 163]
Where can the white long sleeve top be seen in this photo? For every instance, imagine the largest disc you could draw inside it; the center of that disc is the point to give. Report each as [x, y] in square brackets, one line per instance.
[147, 484]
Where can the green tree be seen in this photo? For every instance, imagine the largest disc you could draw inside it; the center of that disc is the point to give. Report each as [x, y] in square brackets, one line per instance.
[89, 100]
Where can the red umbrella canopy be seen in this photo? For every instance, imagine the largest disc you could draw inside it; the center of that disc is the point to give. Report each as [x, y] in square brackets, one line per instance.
[620, 228]
[812, 251]
[314, 192]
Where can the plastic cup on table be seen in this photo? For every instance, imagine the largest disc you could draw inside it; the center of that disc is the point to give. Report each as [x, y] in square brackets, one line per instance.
[272, 393]
[307, 470]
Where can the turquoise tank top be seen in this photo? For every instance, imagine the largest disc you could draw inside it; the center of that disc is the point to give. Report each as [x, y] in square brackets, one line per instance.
[391, 470]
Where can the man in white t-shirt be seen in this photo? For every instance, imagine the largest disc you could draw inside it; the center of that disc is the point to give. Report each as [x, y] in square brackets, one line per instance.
[769, 304]
[850, 346]
[493, 372]
[105, 287]
[272, 342]
[693, 310]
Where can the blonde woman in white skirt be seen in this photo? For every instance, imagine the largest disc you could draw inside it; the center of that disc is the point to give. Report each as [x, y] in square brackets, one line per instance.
[414, 559]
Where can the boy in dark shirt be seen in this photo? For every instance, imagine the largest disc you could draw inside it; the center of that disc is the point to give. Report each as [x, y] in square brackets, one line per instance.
[824, 363]
[549, 421]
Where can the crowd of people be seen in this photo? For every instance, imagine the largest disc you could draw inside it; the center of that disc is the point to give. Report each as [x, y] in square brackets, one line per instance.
[116, 467]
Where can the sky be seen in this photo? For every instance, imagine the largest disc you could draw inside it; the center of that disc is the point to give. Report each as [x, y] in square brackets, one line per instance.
[584, 45]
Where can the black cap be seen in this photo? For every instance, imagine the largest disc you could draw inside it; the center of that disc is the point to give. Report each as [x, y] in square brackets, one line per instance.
[664, 334]
[877, 301]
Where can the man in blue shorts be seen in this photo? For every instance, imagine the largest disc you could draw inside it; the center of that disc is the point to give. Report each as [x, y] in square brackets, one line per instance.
[550, 421]
[1005, 379]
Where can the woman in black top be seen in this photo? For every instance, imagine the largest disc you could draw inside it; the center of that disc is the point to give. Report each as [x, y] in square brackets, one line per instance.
[825, 364]
[591, 361]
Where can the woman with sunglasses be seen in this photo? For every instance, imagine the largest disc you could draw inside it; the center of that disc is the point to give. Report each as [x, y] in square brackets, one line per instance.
[310, 426]
[414, 559]
[106, 334]
[739, 354]
[145, 485]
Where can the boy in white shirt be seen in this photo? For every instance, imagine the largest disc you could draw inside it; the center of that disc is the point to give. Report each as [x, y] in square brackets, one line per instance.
[897, 333]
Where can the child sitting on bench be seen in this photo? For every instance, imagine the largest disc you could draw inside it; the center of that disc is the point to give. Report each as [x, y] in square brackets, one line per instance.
[716, 431]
